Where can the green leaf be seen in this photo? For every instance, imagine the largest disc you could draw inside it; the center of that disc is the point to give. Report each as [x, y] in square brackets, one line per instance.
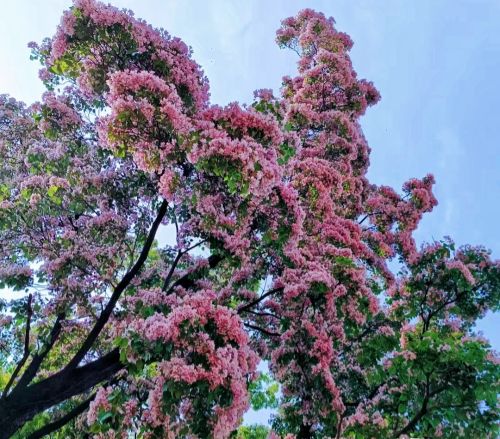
[287, 152]
[52, 193]
[104, 416]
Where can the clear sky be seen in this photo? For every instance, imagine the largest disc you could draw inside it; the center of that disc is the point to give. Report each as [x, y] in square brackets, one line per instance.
[436, 64]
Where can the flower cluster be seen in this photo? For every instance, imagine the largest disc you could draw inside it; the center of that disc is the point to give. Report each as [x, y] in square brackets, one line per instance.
[208, 359]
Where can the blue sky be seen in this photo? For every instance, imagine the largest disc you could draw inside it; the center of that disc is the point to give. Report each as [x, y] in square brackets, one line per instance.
[436, 65]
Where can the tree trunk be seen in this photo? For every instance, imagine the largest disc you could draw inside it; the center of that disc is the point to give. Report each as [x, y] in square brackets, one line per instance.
[23, 404]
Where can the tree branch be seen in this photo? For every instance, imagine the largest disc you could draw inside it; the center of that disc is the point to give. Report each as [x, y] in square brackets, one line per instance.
[19, 407]
[420, 414]
[29, 313]
[262, 314]
[264, 331]
[38, 358]
[259, 299]
[188, 280]
[122, 285]
[305, 431]
[61, 422]
[172, 269]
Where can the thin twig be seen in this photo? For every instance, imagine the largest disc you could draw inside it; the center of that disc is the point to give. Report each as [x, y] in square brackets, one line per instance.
[258, 300]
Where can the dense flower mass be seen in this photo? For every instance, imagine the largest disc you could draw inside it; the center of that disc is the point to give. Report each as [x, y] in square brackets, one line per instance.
[281, 254]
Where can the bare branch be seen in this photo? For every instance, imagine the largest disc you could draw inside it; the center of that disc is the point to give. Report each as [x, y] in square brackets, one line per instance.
[172, 269]
[264, 331]
[188, 280]
[38, 358]
[259, 299]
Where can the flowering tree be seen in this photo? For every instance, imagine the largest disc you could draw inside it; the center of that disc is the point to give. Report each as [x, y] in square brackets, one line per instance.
[281, 251]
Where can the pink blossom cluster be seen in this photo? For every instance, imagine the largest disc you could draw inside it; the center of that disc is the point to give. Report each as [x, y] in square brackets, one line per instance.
[322, 105]
[396, 218]
[160, 46]
[58, 113]
[462, 268]
[100, 402]
[188, 329]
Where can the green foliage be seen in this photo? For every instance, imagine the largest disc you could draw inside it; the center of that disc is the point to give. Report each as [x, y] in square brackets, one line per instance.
[229, 171]
[286, 153]
[264, 392]
[68, 431]
[252, 432]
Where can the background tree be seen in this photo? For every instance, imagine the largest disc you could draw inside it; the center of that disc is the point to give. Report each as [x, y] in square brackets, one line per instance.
[280, 254]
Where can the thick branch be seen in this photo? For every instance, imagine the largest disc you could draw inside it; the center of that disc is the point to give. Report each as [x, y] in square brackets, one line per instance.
[122, 285]
[411, 425]
[19, 407]
[38, 358]
[305, 432]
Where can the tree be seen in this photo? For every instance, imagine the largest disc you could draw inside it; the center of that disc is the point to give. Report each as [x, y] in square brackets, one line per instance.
[281, 254]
